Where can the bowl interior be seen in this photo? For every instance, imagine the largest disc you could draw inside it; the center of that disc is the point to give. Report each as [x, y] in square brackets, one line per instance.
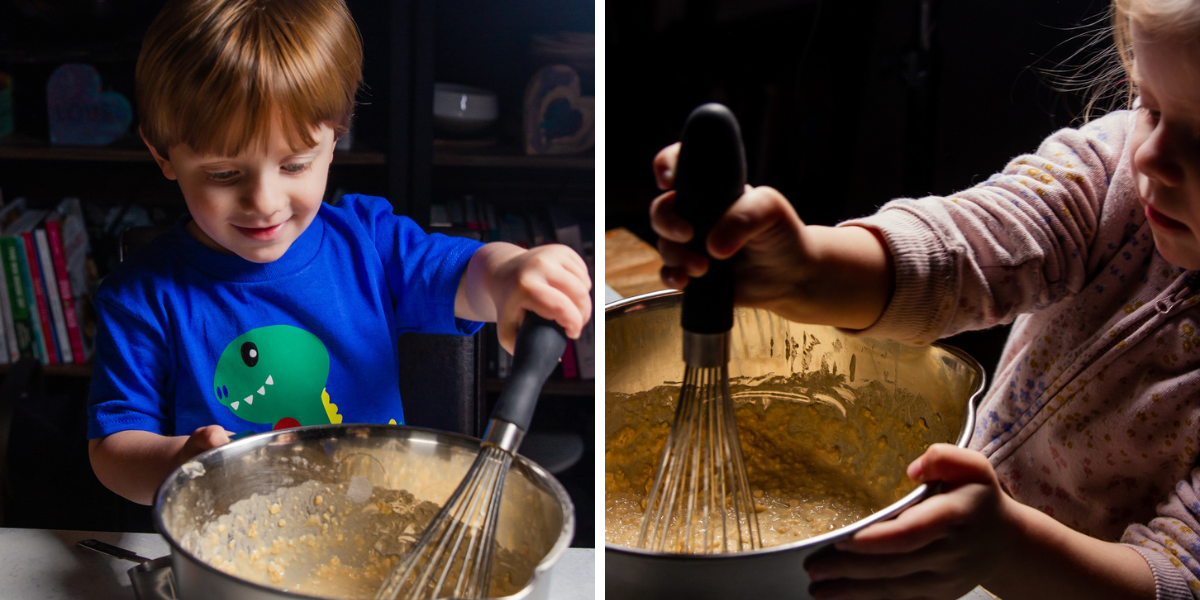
[361, 475]
[818, 411]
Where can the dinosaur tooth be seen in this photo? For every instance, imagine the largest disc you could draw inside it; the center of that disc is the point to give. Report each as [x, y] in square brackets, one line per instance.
[249, 399]
[270, 380]
[234, 405]
[262, 391]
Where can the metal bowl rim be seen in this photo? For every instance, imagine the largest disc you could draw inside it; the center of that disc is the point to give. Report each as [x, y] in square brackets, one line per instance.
[241, 446]
[664, 297]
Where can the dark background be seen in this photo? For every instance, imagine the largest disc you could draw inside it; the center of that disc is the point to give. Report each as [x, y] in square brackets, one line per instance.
[843, 104]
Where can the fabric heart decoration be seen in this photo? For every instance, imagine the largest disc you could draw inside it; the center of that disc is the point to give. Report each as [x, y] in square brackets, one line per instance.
[80, 113]
[558, 118]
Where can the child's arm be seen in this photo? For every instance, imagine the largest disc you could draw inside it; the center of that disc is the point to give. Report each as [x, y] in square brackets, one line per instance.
[502, 281]
[133, 463]
[839, 276]
[1035, 233]
[975, 534]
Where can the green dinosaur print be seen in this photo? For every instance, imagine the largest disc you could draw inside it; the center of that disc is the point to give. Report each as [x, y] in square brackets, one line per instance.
[276, 375]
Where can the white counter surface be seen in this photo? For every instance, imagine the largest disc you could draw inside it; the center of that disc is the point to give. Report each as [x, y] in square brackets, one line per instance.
[43, 564]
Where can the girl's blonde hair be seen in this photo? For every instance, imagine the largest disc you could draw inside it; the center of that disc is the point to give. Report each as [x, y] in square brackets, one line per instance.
[1176, 19]
[216, 74]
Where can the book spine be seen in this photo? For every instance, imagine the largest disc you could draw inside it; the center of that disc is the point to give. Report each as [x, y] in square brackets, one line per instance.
[11, 353]
[22, 325]
[70, 311]
[75, 252]
[51, 277]
[42, 331]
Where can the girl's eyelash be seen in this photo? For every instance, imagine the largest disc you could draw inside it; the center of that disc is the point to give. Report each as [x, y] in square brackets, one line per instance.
[299, 168]
[221, 175]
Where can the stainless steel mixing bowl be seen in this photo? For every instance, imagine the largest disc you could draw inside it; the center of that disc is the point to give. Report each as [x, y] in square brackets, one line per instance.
[860, 406]
[537, 518]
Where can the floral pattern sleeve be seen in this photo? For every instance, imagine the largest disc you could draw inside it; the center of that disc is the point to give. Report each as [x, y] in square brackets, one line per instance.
[1170, 544]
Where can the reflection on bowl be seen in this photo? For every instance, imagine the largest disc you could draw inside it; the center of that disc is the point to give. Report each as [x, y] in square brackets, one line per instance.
[462, 109]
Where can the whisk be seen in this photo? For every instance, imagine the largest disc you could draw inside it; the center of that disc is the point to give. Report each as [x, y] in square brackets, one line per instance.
[700, 502]
[455, 551]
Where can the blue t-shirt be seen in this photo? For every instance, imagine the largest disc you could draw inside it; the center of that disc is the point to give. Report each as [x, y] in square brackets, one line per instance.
[189, 337]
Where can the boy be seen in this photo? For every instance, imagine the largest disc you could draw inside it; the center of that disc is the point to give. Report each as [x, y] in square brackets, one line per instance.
[266, 308]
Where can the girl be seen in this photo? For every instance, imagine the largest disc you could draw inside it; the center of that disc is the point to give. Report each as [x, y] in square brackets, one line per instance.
[1081, 480]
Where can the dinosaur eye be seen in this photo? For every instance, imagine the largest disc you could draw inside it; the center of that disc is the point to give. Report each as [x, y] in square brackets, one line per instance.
[250, 354]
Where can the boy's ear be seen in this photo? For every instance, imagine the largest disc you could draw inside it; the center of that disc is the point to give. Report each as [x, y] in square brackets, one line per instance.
[164, 164]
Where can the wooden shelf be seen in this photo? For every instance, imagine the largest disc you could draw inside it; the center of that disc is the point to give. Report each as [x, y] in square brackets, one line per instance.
[84, 370]
[508, 157]
[553, 387]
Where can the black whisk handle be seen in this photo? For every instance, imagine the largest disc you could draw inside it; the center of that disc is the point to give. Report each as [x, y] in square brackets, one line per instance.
[540, 343]
[709, 176]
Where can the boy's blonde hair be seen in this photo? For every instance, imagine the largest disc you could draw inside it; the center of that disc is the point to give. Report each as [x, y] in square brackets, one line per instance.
[216, 74]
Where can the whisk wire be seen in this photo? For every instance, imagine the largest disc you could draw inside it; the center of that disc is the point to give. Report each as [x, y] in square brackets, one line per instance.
[463, 525]
[694, 482]
[470, 516]
[701, 490]
[715, 458]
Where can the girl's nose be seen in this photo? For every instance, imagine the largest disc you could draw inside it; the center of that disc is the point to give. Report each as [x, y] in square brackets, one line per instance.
[1158, 157]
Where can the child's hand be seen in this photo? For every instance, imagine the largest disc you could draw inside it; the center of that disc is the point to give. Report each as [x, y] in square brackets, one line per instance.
[940, 548]
[204, 438]
[834, 276]
[133, 463]
[762, 223]
[503, 281]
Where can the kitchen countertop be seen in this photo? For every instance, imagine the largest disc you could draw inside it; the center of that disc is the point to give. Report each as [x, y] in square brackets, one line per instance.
[45, 564]
[631, 265]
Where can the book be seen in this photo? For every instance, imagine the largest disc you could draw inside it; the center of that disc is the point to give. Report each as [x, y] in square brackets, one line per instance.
[567, 231]
[10, 352]
[438, 216]
[66, 297]
[9, 349]
[19, 302]
[539, 230]
[43, 330]
[66, 225]
[26, 221]
[493, 225]
[50, 276]
[11, 212]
